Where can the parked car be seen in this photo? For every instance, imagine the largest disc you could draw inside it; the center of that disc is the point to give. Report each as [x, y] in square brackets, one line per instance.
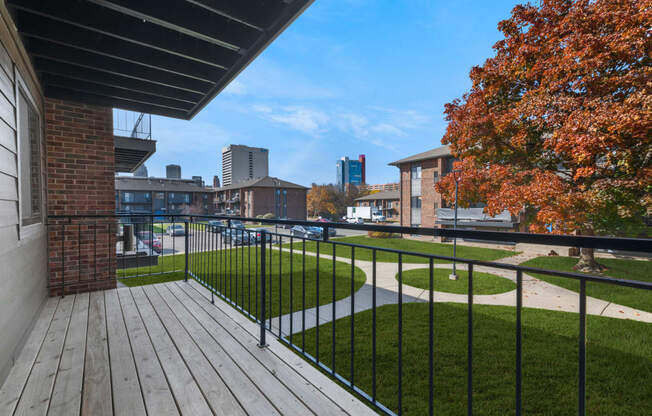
[378, 217]
[285, 226]
[215, 226]
[237, 224]
[354, 220]
[237, 237]
[331, 230]
[150, 240]
[176, 229]
[268, 236]
[306, 232]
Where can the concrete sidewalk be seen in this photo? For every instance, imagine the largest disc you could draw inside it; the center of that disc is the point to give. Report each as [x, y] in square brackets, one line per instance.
[537, 294]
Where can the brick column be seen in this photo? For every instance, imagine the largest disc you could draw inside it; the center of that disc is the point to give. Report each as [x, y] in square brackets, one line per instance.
[80, 172]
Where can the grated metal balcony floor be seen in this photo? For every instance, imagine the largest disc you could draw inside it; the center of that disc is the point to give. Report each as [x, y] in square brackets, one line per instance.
[161, 350]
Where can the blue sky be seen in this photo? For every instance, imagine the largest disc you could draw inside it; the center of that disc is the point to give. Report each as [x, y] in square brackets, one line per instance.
[347, 77]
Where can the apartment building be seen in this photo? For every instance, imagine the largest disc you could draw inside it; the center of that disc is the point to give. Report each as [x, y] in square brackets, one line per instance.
[263, 196]
[162, 196]
[388, 202]
[383, 187]
[241, 163]
[422, 206]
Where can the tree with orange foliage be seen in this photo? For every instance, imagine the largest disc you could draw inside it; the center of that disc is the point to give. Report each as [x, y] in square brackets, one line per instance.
[319, 200]
[559, 122]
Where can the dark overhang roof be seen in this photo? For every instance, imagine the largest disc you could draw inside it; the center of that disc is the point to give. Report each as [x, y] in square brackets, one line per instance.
[166, 57]
[441, 151]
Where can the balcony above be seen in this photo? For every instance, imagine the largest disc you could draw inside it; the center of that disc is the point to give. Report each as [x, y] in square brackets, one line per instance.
[131, 152]
[165, 57]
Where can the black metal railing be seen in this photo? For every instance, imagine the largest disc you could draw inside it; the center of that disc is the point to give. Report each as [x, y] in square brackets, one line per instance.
[266, 274]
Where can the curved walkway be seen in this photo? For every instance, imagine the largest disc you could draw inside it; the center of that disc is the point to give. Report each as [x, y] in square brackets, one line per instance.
[537, 294]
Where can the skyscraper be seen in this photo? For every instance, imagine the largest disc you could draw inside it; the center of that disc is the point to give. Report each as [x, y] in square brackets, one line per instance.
[240, 163]
[141, 172]
[350, 172]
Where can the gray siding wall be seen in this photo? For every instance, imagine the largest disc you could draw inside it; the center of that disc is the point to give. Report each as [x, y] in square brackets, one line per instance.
[23, 251]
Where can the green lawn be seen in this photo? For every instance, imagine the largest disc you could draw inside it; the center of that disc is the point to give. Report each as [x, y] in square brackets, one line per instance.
[483, 283]
[618, 268]
[619, 360]
[150, 280]
[229, 272]
[476, 253]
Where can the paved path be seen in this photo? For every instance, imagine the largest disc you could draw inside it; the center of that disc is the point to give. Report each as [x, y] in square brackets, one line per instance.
[537, 294]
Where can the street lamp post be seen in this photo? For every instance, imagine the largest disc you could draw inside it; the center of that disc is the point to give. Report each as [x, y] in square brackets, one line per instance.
[453, 276]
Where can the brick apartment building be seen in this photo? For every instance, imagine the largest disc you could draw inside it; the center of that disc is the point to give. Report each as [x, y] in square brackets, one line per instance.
[388, 202]
[262, 196]
[162, 196]
[422, 206]
[393, 186]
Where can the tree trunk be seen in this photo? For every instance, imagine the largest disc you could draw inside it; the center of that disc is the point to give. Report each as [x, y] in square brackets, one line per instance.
[587, 263]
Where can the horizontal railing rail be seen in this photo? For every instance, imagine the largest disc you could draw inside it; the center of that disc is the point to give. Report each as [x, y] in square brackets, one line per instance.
[291, 292]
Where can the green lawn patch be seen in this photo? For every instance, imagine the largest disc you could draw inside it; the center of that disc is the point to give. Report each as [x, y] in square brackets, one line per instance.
[619, 360]
[476, 253]
[150, 280]
[483, 283]
[234, 273]
[619, 268]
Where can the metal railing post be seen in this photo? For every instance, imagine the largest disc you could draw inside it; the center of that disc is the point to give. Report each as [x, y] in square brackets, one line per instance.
[263, 239]
[187, 235]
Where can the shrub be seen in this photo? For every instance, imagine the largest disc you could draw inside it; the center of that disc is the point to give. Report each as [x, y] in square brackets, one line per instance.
[268, 216]
[382, 234]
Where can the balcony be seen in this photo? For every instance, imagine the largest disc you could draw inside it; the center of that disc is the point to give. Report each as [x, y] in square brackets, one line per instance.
[160, 350]
[132, 136]
[382, 319]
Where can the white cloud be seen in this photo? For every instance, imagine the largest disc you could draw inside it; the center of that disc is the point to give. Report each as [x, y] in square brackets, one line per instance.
[236, 87]
[299, 118]
[385, 128]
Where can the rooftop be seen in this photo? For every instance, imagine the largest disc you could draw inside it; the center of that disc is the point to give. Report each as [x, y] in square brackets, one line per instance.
[264, 182]
[430, 154]
[129, 183]
[380, 195]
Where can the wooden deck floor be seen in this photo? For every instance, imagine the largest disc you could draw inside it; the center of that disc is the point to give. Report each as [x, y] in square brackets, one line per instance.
[161, 350]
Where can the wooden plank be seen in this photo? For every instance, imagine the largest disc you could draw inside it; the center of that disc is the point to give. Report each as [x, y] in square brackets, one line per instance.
[8, 163]
[217, 394]
[66, 397]
[7, 87]
[127, 397]
[156, 391]
[323, 383]
[7, 112]
[15, 382]
[8, 188]
[188, 396]
[7, 137]
[222, 327]
[96, 397]
[229, 375]
[38, 390]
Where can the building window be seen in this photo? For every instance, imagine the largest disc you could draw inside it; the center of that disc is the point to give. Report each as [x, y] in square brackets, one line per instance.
[435, 176]
[415, 176]
[415, 208]
[29, 137]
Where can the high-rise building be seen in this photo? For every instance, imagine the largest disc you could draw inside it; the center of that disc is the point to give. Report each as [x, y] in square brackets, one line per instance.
[216, 181]
[363, 167]
[240, 163]
[141, 172]
[173, 172]
[350, 172]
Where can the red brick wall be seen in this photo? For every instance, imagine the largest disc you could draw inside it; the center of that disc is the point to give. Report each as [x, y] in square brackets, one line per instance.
[263, 202]
[80, 171]
[429, 197]
[405, 194]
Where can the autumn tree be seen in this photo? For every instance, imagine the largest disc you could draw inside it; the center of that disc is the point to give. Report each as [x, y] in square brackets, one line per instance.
[319, 200]
[559, 121]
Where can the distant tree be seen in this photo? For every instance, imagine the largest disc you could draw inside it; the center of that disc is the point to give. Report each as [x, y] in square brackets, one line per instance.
[319, 201]
[559, 122]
